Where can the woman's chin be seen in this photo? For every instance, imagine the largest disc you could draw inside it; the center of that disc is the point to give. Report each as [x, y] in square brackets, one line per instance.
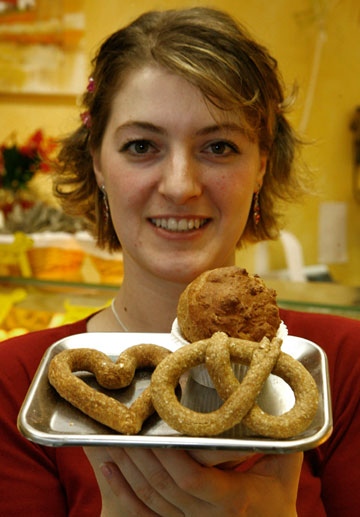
[184, 272]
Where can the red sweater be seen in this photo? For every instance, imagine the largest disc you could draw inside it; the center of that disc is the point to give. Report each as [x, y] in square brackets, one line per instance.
[39, 481]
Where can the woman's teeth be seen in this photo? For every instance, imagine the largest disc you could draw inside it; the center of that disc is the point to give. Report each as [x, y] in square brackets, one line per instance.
[178, 225]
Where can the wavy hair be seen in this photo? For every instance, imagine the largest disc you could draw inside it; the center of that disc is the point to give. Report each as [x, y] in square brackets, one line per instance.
[212, 51]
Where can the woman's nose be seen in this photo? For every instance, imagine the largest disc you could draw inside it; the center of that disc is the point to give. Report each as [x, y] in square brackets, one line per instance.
[180, 180]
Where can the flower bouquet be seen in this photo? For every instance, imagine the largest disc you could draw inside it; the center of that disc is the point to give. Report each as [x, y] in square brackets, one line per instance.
[18, 165]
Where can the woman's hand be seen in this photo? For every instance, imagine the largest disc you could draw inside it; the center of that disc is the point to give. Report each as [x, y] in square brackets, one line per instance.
[171, 483]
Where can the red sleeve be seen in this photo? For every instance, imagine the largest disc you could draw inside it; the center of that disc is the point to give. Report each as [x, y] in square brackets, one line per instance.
[334, 467]
[38, 481]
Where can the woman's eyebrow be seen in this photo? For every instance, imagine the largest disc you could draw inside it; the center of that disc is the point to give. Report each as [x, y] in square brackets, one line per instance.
[219, 127]
[139, 124]
[207, 130]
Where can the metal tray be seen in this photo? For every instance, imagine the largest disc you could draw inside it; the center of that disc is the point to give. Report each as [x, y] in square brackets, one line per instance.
[47, 419]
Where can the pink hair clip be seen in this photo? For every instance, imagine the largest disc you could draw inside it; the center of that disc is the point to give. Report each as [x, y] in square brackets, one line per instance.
[91, 85]
[86, 119]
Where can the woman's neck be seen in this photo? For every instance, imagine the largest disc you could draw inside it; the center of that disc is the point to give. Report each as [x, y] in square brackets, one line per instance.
[144, 303]
[148, 305]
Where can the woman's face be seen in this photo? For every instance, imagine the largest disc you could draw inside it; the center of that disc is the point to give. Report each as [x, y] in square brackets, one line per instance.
[179, 180]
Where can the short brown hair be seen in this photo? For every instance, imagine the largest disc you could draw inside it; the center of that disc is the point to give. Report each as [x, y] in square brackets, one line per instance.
[213, 52]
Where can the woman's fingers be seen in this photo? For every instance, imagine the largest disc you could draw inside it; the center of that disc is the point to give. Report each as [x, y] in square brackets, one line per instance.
[126, 502]
[170, 483]
[151, 483]
[269, 487]
[117, 496]
[206, 484]
[97, 456]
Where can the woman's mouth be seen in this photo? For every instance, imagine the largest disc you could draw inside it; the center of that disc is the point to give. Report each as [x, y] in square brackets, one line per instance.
[173, 224]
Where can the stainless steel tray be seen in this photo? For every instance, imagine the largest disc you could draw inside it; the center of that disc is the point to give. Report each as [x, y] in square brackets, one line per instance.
[47, 419]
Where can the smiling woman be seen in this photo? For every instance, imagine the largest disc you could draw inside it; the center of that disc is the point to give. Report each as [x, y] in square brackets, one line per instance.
[163, 159]
[182, 155]
[237, 80]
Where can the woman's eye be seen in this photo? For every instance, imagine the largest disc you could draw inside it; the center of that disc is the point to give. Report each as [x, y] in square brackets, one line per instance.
[137, 147]
[223, 148]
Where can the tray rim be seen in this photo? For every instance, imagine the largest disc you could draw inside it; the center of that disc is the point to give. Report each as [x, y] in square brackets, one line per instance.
[169, 441]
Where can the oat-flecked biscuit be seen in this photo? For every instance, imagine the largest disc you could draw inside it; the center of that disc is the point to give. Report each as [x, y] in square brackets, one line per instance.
[239, 398]
[99, 406]
[230, 300]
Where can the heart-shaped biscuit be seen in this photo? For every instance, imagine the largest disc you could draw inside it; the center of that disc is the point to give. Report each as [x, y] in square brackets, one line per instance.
[99, 406]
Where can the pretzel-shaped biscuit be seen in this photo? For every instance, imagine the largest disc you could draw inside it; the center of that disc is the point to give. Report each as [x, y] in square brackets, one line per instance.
[239, 398]
[290, 423]
[110, 375]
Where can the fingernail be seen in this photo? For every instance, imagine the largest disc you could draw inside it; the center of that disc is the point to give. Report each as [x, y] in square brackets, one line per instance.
[106, 470]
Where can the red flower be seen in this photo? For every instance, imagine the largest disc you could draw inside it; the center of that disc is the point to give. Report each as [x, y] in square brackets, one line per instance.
[18, 164]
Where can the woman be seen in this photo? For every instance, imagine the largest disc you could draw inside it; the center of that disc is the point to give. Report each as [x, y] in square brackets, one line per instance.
[183, 152]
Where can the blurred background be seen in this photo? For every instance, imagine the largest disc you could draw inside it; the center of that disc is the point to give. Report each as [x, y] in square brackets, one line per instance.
[48, 262]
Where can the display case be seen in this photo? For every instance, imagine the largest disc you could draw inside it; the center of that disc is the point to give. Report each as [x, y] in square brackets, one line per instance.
[51, 278]
[32, 304]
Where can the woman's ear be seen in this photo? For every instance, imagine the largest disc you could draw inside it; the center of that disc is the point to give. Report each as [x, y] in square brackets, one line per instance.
[95, 155]
[262, 170]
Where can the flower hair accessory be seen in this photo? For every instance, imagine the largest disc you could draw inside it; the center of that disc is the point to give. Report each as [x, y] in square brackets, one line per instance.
[86, 118]
[91, 85]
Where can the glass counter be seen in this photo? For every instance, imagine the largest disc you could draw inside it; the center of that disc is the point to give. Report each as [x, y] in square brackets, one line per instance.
[28, 304]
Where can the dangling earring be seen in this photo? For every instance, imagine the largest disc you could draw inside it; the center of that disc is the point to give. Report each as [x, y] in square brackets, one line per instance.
[106, 210]
[256, 208]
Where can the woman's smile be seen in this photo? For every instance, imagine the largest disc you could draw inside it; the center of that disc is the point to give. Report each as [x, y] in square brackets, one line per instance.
[175, 224]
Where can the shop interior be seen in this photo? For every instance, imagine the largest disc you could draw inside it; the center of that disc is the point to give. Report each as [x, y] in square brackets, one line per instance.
[52, 272]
